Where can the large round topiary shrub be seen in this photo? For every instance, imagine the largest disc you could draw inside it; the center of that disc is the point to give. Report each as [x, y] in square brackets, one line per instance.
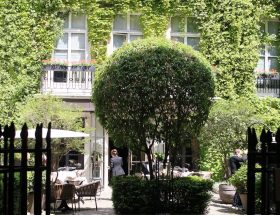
[153, 90]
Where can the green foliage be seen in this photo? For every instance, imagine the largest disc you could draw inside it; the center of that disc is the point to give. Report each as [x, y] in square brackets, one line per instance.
[140, 93]
[229, 32]
[27, 33]
[224, 131]
[230, 40]
[137, 196]
[45, 109]
[239, 179]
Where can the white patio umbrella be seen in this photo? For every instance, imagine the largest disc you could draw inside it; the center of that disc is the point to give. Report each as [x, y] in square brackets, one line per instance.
[55, 133]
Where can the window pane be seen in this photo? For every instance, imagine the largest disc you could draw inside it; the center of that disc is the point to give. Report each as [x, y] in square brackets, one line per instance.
[272, 63]
[120, 22]
[77, 56]
[60, 55]
[118, 40]
[77, 41]
[78, 21]
[178, 39]
[272, 51]
[191, 25]
[193, 42]
[66, 22]
[135, 23]
[273, 27]
[175, 24]
[62, 42]
[135, 37]
[260, 65]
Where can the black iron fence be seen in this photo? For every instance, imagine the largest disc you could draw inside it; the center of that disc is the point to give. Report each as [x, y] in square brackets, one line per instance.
[267, 155]
[268, 86]
[14, 168]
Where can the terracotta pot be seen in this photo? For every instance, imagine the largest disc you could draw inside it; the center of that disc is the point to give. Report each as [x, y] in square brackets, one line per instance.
[226, 193]
[243, 197]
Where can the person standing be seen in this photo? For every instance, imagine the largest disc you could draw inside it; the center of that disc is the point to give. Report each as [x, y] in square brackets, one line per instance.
[116, 163]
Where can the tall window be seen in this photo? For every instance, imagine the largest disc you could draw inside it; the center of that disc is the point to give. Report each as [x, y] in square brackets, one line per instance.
[72, 46]
[185, 32]
[126, 28]
[268, 54]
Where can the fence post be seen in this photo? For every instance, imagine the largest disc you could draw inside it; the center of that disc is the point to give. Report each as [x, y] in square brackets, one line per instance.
[276, 180]
[23, 172]
[252, 142]
[38, 171]
[48, 171]
[264, 177]
[11, 170]
[5, 180]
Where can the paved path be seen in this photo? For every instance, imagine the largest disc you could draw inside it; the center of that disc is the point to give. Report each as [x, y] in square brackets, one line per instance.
[105, 206]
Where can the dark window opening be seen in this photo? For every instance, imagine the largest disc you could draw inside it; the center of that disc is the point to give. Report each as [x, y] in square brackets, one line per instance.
[60, 76]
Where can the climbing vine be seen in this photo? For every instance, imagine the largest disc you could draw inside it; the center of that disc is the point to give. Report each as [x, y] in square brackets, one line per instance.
[229, 30]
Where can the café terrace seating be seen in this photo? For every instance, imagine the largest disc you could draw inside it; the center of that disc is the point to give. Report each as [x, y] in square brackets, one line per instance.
[87, 190]
[71, 186]
[62, 192]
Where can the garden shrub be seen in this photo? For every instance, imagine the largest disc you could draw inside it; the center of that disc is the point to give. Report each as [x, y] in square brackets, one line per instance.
[191, 196]
[134, 195]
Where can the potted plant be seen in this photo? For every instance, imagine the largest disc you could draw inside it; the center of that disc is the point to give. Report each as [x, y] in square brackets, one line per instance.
[239, 180]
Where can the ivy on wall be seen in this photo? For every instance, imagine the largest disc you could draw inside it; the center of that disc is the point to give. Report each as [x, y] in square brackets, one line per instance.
[229, 30]
[230, 40]
[230, 33]
[27, 33]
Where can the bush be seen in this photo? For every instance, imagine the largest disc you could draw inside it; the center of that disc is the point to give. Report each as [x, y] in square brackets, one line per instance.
[181, 195]
[239, 179]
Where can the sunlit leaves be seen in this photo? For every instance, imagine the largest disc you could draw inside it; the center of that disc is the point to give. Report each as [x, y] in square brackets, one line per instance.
[153, 90]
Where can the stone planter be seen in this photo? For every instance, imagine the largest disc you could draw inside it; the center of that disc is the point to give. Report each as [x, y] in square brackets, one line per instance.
[226, 193]
[243, 197]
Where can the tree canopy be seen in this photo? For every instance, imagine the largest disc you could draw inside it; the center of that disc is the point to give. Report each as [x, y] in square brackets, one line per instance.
[153, 90]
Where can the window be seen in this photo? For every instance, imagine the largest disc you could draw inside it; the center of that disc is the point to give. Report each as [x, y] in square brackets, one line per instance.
[268, 54]
[126, 28]
[186, 32]
[72, 46]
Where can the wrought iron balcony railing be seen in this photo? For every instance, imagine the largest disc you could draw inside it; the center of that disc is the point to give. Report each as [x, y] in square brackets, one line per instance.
[67, 81]
[268, 86]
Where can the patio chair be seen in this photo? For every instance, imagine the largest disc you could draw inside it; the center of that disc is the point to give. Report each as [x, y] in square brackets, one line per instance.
[87, 190]
[63, 192]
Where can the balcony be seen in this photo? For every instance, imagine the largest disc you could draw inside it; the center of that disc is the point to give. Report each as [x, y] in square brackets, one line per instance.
[67, 81]
[268, 85]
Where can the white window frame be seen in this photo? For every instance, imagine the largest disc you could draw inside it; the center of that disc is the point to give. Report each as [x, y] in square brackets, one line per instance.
[127, 32]
[69, 32]
[185, 34]
[266, 55]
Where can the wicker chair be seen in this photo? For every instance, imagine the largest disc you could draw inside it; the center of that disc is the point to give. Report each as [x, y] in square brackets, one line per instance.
[87, 190]
[63, 192]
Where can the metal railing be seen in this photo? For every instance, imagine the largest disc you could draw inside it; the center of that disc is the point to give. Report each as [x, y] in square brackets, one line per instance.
[14, 188]
[268, 86]
[67, 82]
